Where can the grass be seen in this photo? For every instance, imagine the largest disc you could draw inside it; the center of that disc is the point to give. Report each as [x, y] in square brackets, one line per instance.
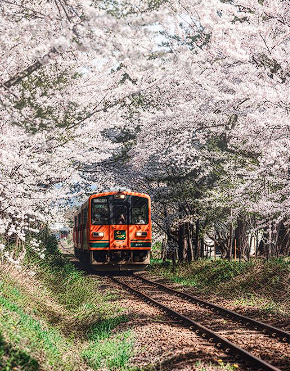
[29, 333]
[251, 300]
[108, 350]
[102, 330]
[53, 317]
[12, 358]
[203, 274]
[113, 353]
[257, 283]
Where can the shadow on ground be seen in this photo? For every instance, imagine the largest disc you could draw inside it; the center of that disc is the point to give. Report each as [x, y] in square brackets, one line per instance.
[12, 358]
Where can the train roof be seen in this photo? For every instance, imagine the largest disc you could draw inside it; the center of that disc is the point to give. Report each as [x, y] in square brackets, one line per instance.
[111, 192]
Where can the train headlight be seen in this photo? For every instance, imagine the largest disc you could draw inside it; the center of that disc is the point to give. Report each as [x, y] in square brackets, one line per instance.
[120, 196]
[98, 234]
[141, 234]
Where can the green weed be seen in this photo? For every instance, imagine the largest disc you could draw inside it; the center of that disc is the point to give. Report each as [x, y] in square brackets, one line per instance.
[103, 329]
[112, 353]
[107, 350]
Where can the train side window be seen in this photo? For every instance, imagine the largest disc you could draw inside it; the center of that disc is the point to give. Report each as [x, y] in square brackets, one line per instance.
[100, 211]
[79, 220]
[82, 220]
[85, 217]
[76, 220]
[139, 208]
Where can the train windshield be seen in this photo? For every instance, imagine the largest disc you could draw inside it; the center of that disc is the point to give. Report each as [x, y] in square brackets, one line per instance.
[112, 210]
[100, 211]
[139, 210]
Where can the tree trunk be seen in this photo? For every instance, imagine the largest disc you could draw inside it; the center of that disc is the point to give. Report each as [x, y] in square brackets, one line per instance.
[202, 248]
[180, 251]
[230, 241]
[174, 260]
[243, 248]
[196, 251]
[164, 248]
[190, 254]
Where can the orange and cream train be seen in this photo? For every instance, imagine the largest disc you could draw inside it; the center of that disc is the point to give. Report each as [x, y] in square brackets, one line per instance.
[112, 231]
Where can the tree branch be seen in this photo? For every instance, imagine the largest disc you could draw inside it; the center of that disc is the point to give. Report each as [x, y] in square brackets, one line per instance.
[14, 80]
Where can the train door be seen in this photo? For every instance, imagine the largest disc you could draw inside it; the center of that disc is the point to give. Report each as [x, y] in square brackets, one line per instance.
[119, 229]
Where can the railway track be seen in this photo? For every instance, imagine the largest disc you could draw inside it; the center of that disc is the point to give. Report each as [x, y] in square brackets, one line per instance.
[208, 321]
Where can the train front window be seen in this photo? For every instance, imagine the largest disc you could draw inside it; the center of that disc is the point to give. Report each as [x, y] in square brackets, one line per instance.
[100, 211]
[139, 207]
[120, 214]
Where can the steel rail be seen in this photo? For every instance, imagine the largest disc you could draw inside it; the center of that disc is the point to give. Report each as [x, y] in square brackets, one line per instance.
[220, 342]
[278, 333]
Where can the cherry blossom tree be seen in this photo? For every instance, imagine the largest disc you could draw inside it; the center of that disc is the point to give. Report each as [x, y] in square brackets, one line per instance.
[185, 100]
[64, 76]
[222, 83]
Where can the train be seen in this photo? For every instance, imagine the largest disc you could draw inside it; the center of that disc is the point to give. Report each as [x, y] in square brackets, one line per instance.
[113, 231]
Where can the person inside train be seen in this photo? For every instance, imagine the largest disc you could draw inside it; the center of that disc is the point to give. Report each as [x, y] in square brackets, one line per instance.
[96, 218]
[122, 219]
[140, 220]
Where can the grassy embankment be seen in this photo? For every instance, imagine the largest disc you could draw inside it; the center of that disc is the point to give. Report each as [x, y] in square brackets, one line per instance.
[262, 284]
[53, 317]
[57, 319]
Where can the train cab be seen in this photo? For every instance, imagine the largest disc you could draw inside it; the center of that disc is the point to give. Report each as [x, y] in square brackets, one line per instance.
[112, 231]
